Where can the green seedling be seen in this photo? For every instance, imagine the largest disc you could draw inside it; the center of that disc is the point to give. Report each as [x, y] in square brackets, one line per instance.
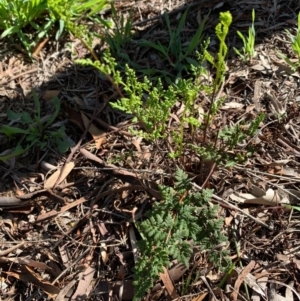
[182, 220]
[33, 20]
[17, 15]
[150, 104]
[292, 207]
[219, 64]
[228, 138]
[119, 36]
[35, 131]
[295, 40]
[248, 51]
[70, 14]
[183, 217]
[179, 57]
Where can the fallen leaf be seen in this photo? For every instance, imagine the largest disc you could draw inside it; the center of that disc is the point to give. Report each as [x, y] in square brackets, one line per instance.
[200, 297]
[177, 271]
[232, 105]
[84, 286]
[50, 94]
[98, 134]
[165, 278]
[63, 292]
[136, 143]
[251, 281]
[29, 262]
[241, 278]
[28, 275]
[59, 175]
[270, 197]
[288, 292]
[103, 250]
[124, 289]
[257, 95]
[263, 65]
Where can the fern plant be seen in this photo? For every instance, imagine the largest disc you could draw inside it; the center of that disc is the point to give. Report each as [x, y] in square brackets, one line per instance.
[183, 219]
[148, 103]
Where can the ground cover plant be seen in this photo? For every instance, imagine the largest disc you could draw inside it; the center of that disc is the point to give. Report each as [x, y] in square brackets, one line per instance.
[152, 114]
[295, 41]
[248, 51]
[34, 20]
[145, 206]
[171, 226]
[35, 132]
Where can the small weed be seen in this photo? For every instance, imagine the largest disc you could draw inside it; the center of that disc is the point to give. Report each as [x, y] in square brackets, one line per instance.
[119, 35]
[248, 52]
[16, 15]
[189, 281]
[183, 219]
[150, 104]
[295, 40]
[177, 56]
[33, 20]
[228, 138]
[36, 131]
[219, 64]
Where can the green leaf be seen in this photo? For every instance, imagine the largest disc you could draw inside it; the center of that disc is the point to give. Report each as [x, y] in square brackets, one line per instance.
[34, 138]
[60, 29]
[13, 116]
[197, 38]
[192, 62]
[26, 118]
[56, 103]
[95, 6]
[10, 131]
[35, 25]
[10, 31]
[181, 23]
[159, 47]
[292, 207]
[242, 37]
[16, 152]
[62, 145]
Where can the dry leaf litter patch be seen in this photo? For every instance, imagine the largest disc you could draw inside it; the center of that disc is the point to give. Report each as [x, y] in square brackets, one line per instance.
[66, 221]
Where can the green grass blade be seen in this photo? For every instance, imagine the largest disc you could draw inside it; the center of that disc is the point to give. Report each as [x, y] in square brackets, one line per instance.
[56, 104]
[10, 131]
[181, 23]
[197, 38]
[16, 152]
[10, 31]
[159, 47]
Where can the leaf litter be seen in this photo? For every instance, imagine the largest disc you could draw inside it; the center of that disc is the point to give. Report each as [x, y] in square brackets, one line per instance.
[76, 239]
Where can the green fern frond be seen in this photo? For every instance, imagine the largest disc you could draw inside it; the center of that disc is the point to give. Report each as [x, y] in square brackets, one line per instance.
[172, 227]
